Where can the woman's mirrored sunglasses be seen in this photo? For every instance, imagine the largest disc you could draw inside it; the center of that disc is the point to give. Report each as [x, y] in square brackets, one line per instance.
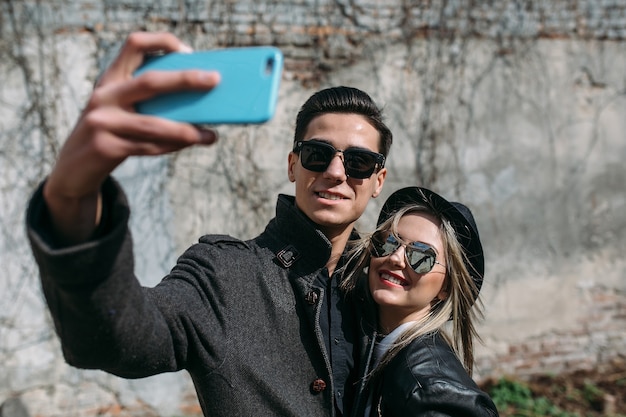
[358, 163]
[420, 256]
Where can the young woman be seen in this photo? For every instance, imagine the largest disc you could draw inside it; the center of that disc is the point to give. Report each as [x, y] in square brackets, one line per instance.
[423, 271]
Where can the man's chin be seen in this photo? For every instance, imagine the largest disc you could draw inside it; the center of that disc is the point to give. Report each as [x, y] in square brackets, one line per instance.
[333, 223]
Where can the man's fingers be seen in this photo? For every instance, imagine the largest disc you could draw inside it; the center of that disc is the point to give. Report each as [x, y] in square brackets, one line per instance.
[150, 84]
[153, 83]
[135, 134]
[136, 46]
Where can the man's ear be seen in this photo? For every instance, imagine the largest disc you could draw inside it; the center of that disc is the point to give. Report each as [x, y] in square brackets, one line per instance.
[380, 180]
[291, 163]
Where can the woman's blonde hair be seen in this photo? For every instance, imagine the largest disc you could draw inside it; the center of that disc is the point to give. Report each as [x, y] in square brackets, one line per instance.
[457, 312]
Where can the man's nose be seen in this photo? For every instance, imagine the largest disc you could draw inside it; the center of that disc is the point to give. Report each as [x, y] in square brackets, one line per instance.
[336, 168]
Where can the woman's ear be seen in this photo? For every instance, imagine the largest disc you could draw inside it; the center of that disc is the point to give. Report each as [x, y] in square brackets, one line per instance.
[444, 292]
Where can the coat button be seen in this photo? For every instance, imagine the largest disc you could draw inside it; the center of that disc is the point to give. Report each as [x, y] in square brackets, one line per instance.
[318, 385]
[311, 297]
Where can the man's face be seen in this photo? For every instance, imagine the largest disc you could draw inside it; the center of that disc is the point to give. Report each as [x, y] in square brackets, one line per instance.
[331, 199]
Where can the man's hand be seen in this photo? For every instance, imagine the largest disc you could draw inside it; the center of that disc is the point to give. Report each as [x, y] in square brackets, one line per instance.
[109, 130]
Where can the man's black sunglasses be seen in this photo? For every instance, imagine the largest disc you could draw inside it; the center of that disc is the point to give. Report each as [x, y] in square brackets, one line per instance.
[358, 163]
[420, 256]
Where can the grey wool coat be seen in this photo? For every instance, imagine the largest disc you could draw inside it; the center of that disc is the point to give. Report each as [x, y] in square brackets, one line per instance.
[241, 317]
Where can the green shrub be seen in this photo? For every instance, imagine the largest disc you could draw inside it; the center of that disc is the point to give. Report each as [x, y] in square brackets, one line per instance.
[515, 399]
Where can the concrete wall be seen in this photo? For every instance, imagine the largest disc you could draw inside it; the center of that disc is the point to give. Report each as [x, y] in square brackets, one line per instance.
[516, 108]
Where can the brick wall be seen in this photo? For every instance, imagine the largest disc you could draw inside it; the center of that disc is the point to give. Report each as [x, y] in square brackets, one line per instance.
[513, 107]
[598, 340]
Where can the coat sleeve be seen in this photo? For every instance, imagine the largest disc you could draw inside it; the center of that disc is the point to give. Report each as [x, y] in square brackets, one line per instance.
[426, 379]
[104, 318]
[442, 399]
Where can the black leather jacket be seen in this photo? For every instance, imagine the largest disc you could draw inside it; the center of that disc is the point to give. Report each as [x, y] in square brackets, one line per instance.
[426, 379]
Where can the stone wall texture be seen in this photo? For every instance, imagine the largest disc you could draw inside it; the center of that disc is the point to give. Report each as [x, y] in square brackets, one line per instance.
[516, 108]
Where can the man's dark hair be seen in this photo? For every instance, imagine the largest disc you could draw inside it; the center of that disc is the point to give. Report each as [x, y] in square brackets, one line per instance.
[343, 100]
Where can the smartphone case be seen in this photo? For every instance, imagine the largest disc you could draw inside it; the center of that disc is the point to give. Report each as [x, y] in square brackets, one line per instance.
[247, 92]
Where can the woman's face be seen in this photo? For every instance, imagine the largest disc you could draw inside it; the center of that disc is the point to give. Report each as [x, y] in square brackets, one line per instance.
[402, 294]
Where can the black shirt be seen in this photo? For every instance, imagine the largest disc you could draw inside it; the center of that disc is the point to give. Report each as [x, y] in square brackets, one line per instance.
[337, 322]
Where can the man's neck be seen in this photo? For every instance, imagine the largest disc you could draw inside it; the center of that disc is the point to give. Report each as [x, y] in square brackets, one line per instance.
[338, 240]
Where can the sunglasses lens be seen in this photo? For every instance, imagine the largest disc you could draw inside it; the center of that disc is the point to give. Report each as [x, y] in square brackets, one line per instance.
[316, 156]
[360, 164]
[384, 246]
[421, 257]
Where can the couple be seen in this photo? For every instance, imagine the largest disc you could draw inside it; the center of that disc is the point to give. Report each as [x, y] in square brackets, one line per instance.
[260, 324]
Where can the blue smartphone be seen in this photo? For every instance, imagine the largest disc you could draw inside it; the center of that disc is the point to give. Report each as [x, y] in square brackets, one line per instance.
[246, 94]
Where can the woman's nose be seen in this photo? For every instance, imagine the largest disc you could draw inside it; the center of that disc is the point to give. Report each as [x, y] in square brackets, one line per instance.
[398, 258]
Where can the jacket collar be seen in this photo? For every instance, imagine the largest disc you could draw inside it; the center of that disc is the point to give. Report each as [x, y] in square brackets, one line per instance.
[301, 240]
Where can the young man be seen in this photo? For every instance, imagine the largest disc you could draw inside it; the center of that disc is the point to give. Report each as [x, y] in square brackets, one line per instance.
[259, 325]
